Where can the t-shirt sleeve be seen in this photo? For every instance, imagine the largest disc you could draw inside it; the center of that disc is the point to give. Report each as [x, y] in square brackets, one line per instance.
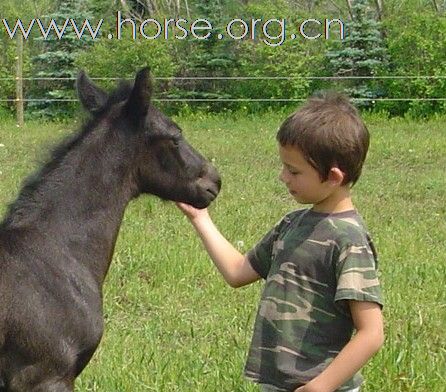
[357, 275]
[260, 256]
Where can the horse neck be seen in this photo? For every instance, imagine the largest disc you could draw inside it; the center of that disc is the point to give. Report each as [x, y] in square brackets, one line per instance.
[79, 207]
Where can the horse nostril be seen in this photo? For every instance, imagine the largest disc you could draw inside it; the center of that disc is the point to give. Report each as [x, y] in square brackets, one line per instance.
[210, 180]
[211, 191]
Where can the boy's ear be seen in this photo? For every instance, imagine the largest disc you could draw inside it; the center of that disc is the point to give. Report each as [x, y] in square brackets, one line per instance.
[336, 176]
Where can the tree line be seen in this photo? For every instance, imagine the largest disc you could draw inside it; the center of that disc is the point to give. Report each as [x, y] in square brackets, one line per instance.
[391, 59]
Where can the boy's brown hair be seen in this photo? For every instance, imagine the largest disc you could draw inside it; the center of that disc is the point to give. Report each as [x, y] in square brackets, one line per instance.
[329, 131]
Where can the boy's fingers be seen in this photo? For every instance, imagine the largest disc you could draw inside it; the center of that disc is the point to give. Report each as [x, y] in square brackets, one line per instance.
[186, 208]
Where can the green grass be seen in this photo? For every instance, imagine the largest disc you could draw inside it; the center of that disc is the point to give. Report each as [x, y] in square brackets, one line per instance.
[171, 322]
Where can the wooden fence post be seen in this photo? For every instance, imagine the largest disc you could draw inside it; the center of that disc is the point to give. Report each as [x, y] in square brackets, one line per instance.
[19, 82]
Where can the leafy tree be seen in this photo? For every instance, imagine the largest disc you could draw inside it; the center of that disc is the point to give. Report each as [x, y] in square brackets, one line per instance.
[418, 52]
[282, 65]
[110, 58]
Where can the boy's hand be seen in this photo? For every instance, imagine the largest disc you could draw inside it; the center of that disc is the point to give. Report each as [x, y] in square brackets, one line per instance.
[191, 212]
[368, 339]
[309, 388]
[235, 267]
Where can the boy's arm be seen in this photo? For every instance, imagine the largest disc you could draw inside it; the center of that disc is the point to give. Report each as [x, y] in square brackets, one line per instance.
[365, 343]
[235, 267]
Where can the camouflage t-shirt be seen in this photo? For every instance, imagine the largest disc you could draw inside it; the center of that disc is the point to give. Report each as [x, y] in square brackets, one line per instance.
[312, 263]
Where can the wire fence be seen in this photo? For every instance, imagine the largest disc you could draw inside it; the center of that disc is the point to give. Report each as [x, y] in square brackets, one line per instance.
[251, 77]
[239, 78]
[232, 99]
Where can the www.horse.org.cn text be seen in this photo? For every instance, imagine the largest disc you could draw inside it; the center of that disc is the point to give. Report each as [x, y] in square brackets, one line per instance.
[272, 31]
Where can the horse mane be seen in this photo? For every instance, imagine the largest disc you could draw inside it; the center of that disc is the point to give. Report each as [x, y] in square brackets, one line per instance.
[31, 183]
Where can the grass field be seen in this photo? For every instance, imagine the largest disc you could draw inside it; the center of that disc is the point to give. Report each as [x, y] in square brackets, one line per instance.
[171, 322]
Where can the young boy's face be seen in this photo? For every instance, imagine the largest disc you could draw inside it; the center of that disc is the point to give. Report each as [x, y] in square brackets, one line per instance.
[302, 179]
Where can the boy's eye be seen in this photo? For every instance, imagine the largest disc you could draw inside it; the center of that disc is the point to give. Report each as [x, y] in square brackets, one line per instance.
[293, 172]
[290, 169]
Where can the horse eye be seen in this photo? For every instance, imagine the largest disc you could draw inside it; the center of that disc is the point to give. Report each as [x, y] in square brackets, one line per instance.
[176, 143]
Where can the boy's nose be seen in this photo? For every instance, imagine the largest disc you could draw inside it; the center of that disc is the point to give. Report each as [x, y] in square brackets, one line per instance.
[282, 176]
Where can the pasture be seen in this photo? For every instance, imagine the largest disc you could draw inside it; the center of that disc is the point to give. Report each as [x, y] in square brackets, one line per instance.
[171, 322]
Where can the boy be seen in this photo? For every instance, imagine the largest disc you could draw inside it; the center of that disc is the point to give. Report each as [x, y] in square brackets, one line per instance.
[319, 263]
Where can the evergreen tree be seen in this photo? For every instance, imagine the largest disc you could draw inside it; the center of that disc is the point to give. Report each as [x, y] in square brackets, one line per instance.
[215, 56]
[361, 53]
[57, 56]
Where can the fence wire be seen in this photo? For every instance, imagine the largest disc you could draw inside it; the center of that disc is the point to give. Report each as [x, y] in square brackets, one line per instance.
[241, 78]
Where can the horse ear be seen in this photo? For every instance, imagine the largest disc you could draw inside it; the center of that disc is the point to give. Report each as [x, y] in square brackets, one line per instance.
[91, 96]
[137, 104]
